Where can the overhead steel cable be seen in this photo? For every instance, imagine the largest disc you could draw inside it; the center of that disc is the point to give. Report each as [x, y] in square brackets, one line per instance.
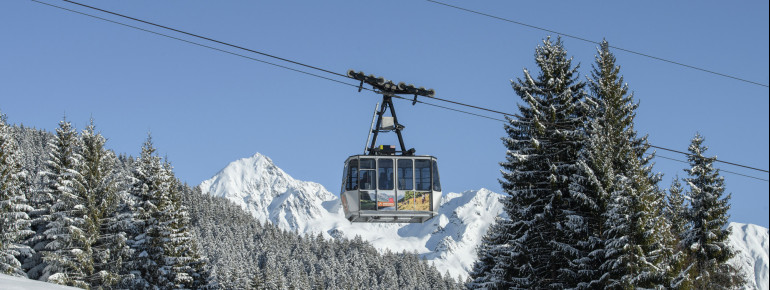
[304, 72]
[736, 173]
[595, 42]
[205, 38]
[198, 44]
[448, 108]
[472, 106]
[731, 163]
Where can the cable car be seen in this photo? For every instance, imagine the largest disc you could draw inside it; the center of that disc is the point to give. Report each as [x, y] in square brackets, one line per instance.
[390, 188]
[384, 185]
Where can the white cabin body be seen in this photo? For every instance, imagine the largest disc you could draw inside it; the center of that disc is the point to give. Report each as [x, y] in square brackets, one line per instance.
[390, 188]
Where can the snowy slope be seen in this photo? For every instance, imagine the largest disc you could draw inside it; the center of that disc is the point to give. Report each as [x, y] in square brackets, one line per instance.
[751, 243]
[19, 283]
[448, 240]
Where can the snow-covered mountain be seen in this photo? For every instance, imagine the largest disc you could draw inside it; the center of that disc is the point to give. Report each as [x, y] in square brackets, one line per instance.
[270, 194]
[448, 240]
[751, 243]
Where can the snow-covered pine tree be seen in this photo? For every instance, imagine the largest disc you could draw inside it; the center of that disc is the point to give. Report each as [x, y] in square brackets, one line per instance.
[101, 192]
[676, 213]
[14, 220]
[676, 209]
[33, 153]
[604, 108]
[181, 263]
[160, 229]
[68, 255]
[137, 218]
[627, 225]
[706, 241]
[636, 242]
[41, 198]
[541, 177]
[165, 253]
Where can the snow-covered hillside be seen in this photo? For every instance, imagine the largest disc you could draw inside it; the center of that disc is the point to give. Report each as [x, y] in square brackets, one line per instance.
[19, 283]
[751, 243]
[449, 240]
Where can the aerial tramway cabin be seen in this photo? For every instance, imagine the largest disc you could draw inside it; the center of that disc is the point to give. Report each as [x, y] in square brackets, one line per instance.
[384, 185]
[390, 188]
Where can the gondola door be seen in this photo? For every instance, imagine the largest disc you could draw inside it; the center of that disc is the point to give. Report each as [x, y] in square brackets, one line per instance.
[405, 185]
[423, 197]
[386, 195]
[367, 184]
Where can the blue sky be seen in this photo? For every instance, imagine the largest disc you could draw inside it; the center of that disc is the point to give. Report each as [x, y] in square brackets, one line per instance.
[206, 108]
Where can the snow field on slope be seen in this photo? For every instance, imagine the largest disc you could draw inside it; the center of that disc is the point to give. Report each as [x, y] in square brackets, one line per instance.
[21, 283]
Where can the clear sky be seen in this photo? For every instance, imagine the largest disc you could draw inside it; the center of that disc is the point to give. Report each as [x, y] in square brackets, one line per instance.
[206, 108]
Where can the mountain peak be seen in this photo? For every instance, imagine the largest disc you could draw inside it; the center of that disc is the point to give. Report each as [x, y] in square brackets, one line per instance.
[270, 194]
[243, 173]
[260, 157]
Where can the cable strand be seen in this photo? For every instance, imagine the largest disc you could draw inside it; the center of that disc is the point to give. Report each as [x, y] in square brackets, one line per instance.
[717, 160]
[594, 42]
[736, 173]
[206, 38]
[196, 43]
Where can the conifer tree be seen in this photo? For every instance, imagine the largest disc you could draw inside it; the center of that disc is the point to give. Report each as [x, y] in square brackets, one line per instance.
[540, 174]
[14, 220]
[165, 253]
[181, 264]
[68, 255]
[628, 219]
[159, 230]
[146, 183]
[101, 192]
[676, 213]
[41, 198]
[707, 237]
[676, 209]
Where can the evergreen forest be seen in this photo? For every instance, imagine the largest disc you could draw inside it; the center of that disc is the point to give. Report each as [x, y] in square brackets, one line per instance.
[75, 213]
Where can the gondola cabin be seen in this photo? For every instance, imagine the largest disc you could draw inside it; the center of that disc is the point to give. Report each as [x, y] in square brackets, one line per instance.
[390, 188]
[384, 185]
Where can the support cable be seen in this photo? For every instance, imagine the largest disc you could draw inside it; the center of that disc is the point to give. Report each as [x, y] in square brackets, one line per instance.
[736, 173]
[202, 45]
[205, 38]
[594, 42]
[731, 163]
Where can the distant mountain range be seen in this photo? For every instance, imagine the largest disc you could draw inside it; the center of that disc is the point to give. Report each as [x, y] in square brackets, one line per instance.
[448, 240]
